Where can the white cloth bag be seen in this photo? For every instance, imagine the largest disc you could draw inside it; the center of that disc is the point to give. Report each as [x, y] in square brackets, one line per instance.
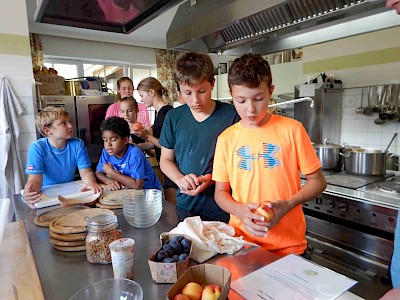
[209, 238]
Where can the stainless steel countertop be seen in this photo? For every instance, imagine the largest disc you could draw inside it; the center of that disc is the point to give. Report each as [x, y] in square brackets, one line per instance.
[64, 273]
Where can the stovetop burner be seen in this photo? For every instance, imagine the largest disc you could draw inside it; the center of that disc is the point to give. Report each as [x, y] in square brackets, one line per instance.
[392, 185]
[343, 179]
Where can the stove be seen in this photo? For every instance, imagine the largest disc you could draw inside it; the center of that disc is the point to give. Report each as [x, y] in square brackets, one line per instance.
[350, 228]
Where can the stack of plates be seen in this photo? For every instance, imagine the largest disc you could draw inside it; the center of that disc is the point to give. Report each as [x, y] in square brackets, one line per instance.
[112, 199]
[142, 208]
[68, 233]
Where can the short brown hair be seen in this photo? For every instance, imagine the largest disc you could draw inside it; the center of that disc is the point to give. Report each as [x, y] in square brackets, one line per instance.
[47, 116]
[192, 68]
[250, 70]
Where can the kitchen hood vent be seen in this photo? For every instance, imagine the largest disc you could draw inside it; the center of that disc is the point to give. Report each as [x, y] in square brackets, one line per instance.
[120, 16]
[247, 25]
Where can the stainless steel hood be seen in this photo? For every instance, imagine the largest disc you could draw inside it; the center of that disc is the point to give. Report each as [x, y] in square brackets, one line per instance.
[120, 16]
[240, 26]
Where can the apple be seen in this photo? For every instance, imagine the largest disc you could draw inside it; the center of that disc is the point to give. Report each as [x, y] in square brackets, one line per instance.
[193, 290]
[181, 297]
[137, 126]
[266, 212]
[211, 292]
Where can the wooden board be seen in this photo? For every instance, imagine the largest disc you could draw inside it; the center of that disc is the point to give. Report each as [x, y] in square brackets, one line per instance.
[100, 205]
[76, 200]
[46, 218]
[114, 197]
[66, 244]
[70, 249]
[68, 237]
[76, 222]
[18, 273]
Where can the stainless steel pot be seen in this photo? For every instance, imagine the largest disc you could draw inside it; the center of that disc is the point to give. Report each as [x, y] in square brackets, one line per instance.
[365, 161]
[329, 155]
[392, 162]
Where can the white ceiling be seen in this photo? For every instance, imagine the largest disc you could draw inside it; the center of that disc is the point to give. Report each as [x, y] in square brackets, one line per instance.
[152, 34]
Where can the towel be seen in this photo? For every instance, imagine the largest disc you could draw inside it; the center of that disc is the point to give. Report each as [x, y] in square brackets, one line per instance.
[209, 238]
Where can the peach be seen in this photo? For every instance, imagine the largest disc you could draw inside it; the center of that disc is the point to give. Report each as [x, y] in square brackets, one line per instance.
[137, 126]
[193, 290]
[211, 292]
[181, 297]
[266, 212]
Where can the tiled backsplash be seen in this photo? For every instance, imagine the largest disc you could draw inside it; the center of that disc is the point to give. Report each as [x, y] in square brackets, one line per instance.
[360, 130]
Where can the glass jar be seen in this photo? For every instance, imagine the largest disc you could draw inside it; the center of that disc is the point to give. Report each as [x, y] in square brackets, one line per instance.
[101, 231]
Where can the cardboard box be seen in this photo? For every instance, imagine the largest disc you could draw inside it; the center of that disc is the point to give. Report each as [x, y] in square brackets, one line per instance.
[167, 272]
[203, 274]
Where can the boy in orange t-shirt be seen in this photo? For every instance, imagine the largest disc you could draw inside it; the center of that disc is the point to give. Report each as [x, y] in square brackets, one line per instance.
[258, 163]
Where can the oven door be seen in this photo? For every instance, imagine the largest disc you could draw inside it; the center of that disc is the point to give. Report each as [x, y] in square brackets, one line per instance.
[90, 112]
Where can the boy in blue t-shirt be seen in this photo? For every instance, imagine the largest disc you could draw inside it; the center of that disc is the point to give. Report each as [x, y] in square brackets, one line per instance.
[122, 164]
[54, 159]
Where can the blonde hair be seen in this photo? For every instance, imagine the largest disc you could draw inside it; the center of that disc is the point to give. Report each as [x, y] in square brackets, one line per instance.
[47, 116]
[151, 83]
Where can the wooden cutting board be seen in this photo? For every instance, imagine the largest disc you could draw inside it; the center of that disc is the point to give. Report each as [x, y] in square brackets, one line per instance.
[70, 249]
[114, 197]
[68, 237]
[66, 244]
[46, 218]
[100, 205]
[76, 222]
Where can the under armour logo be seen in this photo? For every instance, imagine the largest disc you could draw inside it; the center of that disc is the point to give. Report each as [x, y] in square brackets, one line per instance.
[268, 155]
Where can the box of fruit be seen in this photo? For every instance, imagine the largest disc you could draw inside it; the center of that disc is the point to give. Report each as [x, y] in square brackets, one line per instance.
[169, 262]
[202, 282]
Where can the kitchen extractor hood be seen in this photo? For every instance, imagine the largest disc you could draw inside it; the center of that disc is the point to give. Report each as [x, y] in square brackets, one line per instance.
[120, 16]
[235, 27]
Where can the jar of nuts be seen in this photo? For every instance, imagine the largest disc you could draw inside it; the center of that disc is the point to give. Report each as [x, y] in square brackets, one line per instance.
[101, 231]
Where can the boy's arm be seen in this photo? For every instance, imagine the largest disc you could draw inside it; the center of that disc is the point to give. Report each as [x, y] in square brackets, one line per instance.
[314, 186]
[33, 187]
[126, 181]
[242, 211]
[89, 179]
[111, 184]
[168, 165]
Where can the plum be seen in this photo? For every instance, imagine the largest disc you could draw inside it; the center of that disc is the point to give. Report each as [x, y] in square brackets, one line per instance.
[183, 256]
[186, 244]
[168, 260]
[175, 257]
[176, 246]
[169, 249]
[161, 255]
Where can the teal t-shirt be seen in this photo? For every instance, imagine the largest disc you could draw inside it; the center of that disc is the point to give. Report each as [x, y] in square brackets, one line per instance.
[194, 145]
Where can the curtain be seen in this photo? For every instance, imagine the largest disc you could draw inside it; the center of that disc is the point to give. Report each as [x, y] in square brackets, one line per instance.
[165, 60]
[36, 50]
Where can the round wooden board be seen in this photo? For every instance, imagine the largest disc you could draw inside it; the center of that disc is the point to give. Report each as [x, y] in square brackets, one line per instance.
[87, 200]
[70, 249]
[114, 197]
[76, 222]
[66, 244]
[68, 237]
[46, 218]
[100, 205]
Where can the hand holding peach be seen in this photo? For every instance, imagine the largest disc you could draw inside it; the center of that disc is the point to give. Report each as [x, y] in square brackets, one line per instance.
[266, 212]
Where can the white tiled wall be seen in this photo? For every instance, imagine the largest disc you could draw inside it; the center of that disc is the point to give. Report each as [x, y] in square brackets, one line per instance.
[360, 130]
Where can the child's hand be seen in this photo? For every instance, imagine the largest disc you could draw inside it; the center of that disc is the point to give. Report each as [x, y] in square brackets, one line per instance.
[193, 185]
[247, 216]
[108, 168]
[281, 208]
[95, 187]
[113, 186]
[30, 195]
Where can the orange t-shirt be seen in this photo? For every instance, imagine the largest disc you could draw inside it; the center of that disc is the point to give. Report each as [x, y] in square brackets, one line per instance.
[263, 164]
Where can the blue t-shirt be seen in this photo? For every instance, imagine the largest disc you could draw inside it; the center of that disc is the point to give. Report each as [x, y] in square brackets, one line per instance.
[194, 144]
[57, 165]
[134, 164]
[395, 267]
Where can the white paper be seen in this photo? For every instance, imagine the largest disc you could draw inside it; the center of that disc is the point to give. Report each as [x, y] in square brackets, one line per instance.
[50, 193]
[292, 277]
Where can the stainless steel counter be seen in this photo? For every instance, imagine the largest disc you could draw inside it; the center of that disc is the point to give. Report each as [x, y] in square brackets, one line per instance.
[63, 273]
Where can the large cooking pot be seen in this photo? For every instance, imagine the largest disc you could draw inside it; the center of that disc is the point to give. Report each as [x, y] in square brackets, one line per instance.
[392, 162]
[329, 155]
[365, 161]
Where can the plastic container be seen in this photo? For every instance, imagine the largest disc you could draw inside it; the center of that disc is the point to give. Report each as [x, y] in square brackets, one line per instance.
[142, 208]
[115, 288]
[101, 231]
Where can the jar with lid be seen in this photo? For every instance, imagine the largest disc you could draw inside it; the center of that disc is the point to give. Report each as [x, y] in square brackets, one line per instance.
[101, 231]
